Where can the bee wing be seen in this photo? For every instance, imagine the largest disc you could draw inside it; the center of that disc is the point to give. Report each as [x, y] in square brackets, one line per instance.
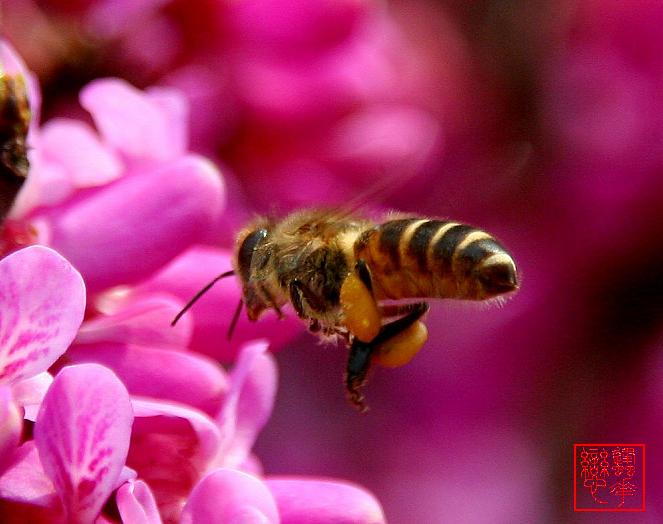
[372, 196]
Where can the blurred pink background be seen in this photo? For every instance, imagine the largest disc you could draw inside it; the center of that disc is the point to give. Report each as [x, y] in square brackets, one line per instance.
[539, 121]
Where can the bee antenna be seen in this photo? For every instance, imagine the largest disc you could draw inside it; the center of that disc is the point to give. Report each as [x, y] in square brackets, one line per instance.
[233, 322]
[200, 294]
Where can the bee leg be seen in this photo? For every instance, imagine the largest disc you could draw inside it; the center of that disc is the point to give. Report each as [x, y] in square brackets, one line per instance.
[314, 326]
[359, 362]
[396, 310]
[270, 300]
[361, 315]
[399, 341]
[390, 330]
[297, 298]
[364, 274]
[308, 297]
[395, 344]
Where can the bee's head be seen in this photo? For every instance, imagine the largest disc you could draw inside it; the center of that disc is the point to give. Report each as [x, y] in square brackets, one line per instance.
[248, 243]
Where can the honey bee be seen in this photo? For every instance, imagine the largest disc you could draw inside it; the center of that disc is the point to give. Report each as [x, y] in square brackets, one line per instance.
[14, 123]
[341, 274]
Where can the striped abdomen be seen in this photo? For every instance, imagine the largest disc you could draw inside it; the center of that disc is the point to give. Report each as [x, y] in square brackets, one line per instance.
[415, 257]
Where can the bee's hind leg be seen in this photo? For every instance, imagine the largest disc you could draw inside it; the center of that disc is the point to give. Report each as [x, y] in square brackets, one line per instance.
[359, 362]
[400, 340]
[396, 342]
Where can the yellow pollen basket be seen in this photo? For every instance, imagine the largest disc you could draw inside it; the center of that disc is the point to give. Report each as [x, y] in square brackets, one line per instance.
[400, 349]
[361, 313]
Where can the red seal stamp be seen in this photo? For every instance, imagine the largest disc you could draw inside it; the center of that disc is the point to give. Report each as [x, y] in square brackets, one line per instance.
[609, 477]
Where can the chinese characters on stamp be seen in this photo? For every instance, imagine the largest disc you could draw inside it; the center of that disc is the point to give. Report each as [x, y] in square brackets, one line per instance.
[609, 477]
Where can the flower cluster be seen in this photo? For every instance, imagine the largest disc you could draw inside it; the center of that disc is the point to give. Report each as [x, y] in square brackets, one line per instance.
[283, 92]
[106, 413]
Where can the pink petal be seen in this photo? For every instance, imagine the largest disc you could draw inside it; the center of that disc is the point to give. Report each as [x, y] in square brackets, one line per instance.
[172, 446]
[230, 496]
[110, 18]
[128, 229]
[131, 122]
[213, 114]
[252, 466]
[30, 392]
[82, 433]
[302, 501]
[126, 475]
[42, 300]
[11, 426]
[317, 89]
[48, 184]
[162, 374]
[25, 482]
[75, 147]
[136, 504]
[143, 320]
[17, 513]
[152, 47]
[249, 402]
[295, 25]
[175, 109]
[400, 137]
[212, 314]
[25, 486]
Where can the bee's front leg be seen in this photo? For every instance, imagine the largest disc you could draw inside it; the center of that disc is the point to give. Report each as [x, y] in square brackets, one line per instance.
[297, 298]
[270, 300]
[300, 297]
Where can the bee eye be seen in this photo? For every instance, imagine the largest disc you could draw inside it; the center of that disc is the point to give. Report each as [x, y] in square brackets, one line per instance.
[497, 274]
[246, 250]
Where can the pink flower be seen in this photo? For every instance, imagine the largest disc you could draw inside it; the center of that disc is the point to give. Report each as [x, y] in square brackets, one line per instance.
[136, 504]
[177, 449]
[172, 447]
[10, 426]
[38, 320]
[236, 497]
[122, 203]
[318, 501]
[78, 453]
[26, 492]
[212, 314]
[274, 84]
[82, 434]
[230, 496]
[159, 373]
[235, 491]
